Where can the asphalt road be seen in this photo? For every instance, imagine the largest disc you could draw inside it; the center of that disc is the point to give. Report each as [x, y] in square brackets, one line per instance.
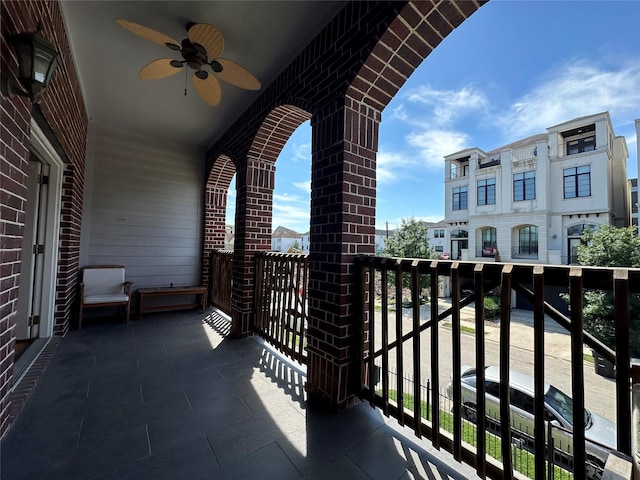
[599, 391]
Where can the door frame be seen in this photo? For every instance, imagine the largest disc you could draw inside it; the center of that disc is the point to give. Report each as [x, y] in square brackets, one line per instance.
[42, 148]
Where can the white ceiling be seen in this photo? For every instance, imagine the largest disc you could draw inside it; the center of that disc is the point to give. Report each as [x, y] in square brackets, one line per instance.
[262, 36]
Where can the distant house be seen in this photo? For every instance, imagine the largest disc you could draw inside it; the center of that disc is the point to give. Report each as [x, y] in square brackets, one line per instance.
[305, 242]
[283, 238]
[381, 237]
[229, 237]
[533, 199]
[438, 236]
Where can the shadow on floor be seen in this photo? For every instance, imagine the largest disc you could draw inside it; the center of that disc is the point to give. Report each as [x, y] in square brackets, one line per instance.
[171, 397]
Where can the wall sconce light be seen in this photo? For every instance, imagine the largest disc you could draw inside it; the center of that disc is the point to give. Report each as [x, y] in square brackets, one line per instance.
[37, 61]
[554, 236]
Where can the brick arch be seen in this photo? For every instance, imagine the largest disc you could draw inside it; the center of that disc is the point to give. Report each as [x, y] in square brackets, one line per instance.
[418, 28]
[215, 211]
[221, 173]
[275, 130]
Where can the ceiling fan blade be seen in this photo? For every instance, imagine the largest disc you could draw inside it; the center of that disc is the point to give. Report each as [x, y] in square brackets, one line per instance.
[208, 89]
[237, 75]
[149, 34]
[209, 37]
[160, 68]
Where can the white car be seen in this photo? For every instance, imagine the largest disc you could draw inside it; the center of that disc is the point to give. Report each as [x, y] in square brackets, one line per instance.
[600, 433]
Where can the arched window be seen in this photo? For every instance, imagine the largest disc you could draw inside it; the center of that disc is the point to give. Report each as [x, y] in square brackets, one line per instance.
[489, 241]
[527, 242]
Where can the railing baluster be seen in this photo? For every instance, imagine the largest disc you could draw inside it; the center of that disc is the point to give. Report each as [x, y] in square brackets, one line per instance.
[372, 343]
[456, 361]
[481, 421]
[505, 339]
[399, 356]
[417, 391]
[303, 308]
[622, 315]
[435, 363]
[385, 337]
[538, 368]
[577, 372]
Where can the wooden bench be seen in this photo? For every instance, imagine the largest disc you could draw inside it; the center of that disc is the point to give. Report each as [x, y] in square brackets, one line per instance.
[171, 291]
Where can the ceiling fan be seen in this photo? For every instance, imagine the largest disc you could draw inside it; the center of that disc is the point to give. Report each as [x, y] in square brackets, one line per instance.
[201, 52]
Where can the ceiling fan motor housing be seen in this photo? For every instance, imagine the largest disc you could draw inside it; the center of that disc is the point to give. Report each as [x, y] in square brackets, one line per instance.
[194, 54]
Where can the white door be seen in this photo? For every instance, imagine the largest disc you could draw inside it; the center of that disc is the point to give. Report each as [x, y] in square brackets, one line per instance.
[32, 264]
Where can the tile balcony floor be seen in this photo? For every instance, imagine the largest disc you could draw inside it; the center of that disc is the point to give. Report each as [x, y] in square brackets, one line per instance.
[170, 397]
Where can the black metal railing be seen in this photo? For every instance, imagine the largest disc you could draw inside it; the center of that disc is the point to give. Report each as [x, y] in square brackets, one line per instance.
[525, 251]
[281, 301]
[408, 342]
[559, 451]
[221, 267]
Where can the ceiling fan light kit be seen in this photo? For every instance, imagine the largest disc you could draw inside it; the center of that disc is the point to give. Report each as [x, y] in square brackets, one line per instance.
[201, 52]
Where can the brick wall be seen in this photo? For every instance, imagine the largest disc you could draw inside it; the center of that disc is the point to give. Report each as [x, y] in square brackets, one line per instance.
[62, 113]
[343, 79]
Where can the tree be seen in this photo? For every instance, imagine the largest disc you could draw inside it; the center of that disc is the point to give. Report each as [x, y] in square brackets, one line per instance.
[610, 247]
[410, 241]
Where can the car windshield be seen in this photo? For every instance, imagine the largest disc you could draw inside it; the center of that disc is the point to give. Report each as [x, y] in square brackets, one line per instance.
[563, 404]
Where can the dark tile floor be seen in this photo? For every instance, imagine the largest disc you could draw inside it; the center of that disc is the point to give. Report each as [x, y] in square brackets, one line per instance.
[170, 397]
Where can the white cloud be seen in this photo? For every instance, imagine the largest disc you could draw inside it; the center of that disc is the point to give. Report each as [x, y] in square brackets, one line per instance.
[580, 88]
[445, 106]
[433, 145]
[294, 216]
[301, 152]
[390, 165]
[400, 112]
[304, 186]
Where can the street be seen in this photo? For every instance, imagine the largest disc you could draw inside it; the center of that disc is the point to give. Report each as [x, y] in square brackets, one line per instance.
[599, 391]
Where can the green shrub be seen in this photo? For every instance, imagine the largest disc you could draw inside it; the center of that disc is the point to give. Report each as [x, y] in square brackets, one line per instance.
[491, 307]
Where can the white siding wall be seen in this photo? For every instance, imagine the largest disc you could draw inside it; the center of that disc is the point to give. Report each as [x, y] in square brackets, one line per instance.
[144, 208]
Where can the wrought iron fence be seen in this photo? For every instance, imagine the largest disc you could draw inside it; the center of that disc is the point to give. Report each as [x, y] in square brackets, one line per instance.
[221, 266]
[394, 342]
[559, 454]
[281, 301]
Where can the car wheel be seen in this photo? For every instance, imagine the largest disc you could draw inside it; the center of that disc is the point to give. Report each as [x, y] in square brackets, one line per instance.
[469, 412]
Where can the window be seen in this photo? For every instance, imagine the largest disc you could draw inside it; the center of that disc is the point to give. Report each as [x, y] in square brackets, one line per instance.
[577, 182]
[580, 145]
[439, 248]
[489, 242]
[524, 186]
[521, 400]
[487, 191]
[460, 198]
[528, 240]
[438, 233]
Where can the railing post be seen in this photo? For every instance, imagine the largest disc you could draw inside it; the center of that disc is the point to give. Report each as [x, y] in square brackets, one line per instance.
[635, 417]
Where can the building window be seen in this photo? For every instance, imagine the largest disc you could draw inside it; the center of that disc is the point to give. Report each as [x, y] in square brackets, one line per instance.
[438, 233]
[489, 242]
[527, 241]
[487, 191]
[580, 145]
[524, 186]
[439, 248]
[460, 198]
[577, 182]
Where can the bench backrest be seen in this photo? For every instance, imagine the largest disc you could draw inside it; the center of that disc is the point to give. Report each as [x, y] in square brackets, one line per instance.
[103, 280]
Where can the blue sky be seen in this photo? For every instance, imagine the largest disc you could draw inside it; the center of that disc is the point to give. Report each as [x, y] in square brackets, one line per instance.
[511, 70]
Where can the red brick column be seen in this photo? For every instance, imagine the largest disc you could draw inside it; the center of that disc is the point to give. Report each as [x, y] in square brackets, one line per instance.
[343, 190]
[254, 184]
[215, 211]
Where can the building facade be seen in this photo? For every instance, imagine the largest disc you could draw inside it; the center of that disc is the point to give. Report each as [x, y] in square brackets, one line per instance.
[531, 200]
[284, 238]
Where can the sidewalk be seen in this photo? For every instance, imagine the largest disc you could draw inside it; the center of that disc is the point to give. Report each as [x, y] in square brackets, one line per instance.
[557, 339]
